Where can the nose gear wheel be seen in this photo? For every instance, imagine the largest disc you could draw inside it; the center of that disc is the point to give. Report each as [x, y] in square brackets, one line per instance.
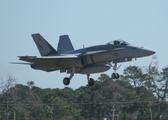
[115, 75]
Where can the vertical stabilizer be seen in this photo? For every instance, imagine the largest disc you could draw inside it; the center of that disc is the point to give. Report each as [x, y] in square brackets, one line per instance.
[64, 44]
[43, 46]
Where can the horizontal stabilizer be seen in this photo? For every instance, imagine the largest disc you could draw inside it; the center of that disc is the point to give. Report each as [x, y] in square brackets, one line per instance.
[21, 63]
[27, 58]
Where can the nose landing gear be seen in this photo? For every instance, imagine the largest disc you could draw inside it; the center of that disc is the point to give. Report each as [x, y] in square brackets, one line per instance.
[115, 68]
[115, 75]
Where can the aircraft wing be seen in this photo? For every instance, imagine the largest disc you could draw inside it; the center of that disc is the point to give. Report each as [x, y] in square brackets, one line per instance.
[32, 58]
[51, 63]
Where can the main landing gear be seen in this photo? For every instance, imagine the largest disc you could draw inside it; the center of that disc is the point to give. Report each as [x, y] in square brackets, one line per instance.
[90, 80]
[66, 80]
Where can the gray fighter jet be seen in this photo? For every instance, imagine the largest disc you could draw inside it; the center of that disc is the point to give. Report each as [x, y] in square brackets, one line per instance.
[87, 60]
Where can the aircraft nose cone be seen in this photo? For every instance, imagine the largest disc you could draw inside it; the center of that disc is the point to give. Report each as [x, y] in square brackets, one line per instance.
[152, 52]
[149, 51]
[142, 52]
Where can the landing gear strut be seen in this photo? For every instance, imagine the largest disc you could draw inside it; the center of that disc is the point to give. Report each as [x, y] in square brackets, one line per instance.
[66, 80]
[90, 80]
[115, 75]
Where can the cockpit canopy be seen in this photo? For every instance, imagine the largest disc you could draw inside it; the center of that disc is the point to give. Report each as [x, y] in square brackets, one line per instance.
[118, 42]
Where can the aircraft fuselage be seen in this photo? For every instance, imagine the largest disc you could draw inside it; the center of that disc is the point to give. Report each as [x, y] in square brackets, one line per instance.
[123, 53]
[87, 60]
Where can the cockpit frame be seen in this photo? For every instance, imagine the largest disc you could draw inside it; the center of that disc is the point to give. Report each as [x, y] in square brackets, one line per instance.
[118, 42]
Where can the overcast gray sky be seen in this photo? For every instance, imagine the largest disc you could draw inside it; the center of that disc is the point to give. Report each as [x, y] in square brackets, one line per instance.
[88, 23]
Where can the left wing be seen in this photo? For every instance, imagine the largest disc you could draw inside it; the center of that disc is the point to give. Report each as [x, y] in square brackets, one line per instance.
[32, 58]
[51, 63]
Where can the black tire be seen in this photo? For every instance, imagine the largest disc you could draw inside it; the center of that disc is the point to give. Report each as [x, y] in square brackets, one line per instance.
[113, 76]
[66, 81]
[117, 75]
[91, 82]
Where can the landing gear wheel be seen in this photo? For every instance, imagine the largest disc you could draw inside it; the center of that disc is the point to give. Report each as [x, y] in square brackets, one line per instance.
[115, 75]
[91, 82]
[66, 81]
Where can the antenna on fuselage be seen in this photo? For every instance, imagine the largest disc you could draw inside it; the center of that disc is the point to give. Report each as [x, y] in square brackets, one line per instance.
[83, 46]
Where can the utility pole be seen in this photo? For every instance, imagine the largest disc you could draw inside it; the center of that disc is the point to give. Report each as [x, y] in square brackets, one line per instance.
[113, 113]
[160, 117]
[151, 111]
[7, 105]
[14, 115]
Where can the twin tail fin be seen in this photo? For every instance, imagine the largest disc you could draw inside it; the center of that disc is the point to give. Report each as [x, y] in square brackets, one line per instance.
[43, 46]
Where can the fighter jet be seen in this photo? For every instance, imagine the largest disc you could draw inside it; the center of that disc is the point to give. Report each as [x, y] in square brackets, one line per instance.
[88, 60]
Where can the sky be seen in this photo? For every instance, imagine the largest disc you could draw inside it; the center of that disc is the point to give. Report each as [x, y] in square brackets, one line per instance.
[141, 23]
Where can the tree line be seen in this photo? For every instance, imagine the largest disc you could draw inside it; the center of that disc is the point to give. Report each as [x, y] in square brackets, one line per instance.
[140, 94]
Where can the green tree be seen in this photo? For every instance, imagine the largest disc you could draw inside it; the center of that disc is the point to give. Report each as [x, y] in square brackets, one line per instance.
[30, 84]
[135, 76]
[5, 88]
